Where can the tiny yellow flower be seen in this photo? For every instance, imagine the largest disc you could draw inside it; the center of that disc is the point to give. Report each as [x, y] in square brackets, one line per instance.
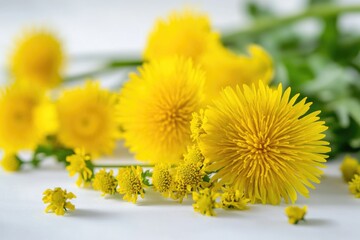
[105, 182]
[185, 33]
[188, 178]
[10, 162]
[130, 183]
[205, 202]
[349, 168]
[80, 163]
[193, 154]
[57, 200]
[163, 179]
[233, 199]
[19, 118]
[354, 186]
[196, 125]
[87, 119]
[38, 59]
[295, 214]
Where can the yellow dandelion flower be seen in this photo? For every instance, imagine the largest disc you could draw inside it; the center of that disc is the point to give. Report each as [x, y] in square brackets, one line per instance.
[105, 182]
[354, 186]
[262, 143]
[130, 183]
[205, 202]
[87, 120]
[163, 179]
[188, 178]
[19, 118]
[57, 200]
[349, 168]
[193, 154]
[295, 214]
[80, 163]
[10, 162]
[38, 59]
[196, 124]
[224, 68]
[186, 34]
[233, 199]
[156, 107]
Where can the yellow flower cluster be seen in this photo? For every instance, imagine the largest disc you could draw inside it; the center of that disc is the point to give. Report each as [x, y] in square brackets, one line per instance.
[57, 200]
[79, 163]
[349, 167]
[295, 214]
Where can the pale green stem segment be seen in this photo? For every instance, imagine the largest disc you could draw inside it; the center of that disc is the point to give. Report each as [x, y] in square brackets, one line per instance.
[261, 26]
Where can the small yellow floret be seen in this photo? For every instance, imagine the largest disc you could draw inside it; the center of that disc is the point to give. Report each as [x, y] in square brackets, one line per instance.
[105, 182]
[130, 183]
[196, 125]
[163, 179]
[354, 186]
[349, 168]
[80, 163]
[295, 214]
[57, 200]
[205, 202]
[233, 199]
[10, 162]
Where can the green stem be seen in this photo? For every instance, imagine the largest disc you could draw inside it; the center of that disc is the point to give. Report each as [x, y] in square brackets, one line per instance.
[121, 166]
[111, 66]
[319, 11]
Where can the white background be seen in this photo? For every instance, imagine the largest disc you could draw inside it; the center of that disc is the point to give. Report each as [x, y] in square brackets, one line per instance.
[99, 28]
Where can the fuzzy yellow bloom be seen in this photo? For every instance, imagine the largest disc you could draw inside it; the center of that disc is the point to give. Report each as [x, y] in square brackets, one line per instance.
[21, 124]
[156, 107]
[186, 34]
[188, 178]
[349, 168]
[295, 214]
[354, 185]
[233, 199]
[224, 68]
[105, 182]
[205, 202]
[196, 125]
[193, 154]
[130, 183]
[10, 162]
[57, 200]
[38, 59]
[259, 141]
[80, 163]
[87, 119]
[163, 179]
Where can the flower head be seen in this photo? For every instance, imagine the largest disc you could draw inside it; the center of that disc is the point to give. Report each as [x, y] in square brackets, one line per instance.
[262, 143]
[156, 106]
[295, 214]
[163, 179]
[38, 59]
[10, 162]
[57, 200]
[188, 178]
[80, 163]
[193, 154]
[186, 34]
[20, 126]
[130, 183]
[105, 182]
[86, 119]
[205, 202]
[233, 199]
[349, 168]
[224, 68]
[354, 185]
[196, 125]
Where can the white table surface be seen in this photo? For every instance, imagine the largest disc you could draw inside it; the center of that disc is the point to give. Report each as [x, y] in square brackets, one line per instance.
[110, 27]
